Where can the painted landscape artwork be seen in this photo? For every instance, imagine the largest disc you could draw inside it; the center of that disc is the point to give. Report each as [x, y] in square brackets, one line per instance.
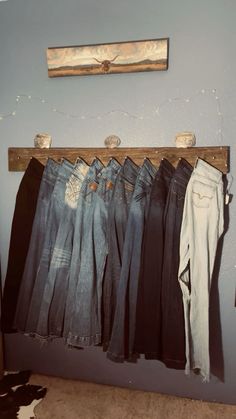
[123, 57]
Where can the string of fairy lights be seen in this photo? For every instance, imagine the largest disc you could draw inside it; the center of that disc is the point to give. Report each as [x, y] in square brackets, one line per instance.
[154, 113]
[20, 99]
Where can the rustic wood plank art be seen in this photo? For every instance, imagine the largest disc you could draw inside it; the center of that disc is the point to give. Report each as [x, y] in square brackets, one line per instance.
[18, 158]
[122, 57]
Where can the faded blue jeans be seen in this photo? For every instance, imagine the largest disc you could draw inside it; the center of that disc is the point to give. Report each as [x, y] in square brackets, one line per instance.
[86, 324]
[80, 304]
[123, 332]
[51, 315]
[55, 210]
[36, 244]
[202, 226]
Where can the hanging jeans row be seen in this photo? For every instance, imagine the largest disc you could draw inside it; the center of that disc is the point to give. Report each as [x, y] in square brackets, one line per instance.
[119, 255]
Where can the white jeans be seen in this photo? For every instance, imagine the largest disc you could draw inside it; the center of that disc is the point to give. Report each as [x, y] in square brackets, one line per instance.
[202, 225]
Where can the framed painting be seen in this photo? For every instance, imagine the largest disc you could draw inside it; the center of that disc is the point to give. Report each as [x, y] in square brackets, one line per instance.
[122, 57]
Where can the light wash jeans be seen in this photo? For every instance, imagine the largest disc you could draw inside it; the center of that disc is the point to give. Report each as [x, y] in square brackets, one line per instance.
[80, 308]
[86, 324]
[202, 225]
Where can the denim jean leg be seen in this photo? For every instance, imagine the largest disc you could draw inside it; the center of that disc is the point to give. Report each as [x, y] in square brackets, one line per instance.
[104, 195]
[79, 258]
[36, 244]
[173, 329]
[21, 229]
[116, 229]
[54, 216]
[148, 314]
[202, 225]
[51, 316]
[122, 339]
[86, 327]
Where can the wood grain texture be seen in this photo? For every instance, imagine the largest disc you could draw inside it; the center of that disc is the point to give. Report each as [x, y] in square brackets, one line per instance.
[18, 158]
[122, 57]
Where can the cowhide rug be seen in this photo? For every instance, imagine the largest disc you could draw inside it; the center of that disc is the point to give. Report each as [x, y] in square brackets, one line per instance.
[17, 398]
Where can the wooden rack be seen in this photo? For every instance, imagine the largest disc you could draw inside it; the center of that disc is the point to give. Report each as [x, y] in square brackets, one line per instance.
[18, 158]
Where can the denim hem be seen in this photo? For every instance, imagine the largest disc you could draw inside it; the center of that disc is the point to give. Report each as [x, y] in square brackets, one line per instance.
[115, 357]
[37, 336]
[173, 363]
[197, 370]
[73, 340]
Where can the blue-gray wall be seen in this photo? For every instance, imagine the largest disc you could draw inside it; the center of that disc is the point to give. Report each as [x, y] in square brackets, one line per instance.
[197, 93]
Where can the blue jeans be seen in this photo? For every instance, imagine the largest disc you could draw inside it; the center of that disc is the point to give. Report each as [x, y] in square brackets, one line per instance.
[51, 315]
[79, 308]
[36, 244]
[122, 338]
[117, 220]
[86, 325]
[173, 329]
[54, 216]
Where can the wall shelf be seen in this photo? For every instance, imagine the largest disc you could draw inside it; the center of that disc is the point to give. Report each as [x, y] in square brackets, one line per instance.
[19, 157]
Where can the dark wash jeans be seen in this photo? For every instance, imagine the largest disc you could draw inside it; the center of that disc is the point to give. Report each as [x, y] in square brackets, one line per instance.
[36, 243]
[148, 315]
[22, 223]
[173, 327]
[122, 339]
[116, 228]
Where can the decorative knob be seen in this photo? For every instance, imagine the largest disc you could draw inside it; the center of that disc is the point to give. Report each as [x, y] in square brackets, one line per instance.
[185, 139]
[112, 141]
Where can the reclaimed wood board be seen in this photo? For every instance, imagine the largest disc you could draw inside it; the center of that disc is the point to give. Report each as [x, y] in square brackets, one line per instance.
[18, 158]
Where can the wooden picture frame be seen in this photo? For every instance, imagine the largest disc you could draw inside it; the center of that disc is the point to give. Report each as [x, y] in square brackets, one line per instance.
[122, 57]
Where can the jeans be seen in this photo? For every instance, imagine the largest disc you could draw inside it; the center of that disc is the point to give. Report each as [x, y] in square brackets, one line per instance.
[36, 244]
[51, 315]
[148, 316]
[22, 224]
[173, 329]
[116, 228]
[79, 311]
[122, 338]
[55, 210]
[86, 324]
[202, 225]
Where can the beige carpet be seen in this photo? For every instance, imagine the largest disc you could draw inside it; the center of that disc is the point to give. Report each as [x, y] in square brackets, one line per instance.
[67, 399]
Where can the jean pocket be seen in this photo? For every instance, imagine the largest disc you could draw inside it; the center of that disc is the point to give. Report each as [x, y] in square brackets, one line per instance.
[202, 194]
[179, 194]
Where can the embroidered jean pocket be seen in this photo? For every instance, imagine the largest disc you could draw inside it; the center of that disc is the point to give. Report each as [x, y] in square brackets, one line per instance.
[72, 192]
[202, 194]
